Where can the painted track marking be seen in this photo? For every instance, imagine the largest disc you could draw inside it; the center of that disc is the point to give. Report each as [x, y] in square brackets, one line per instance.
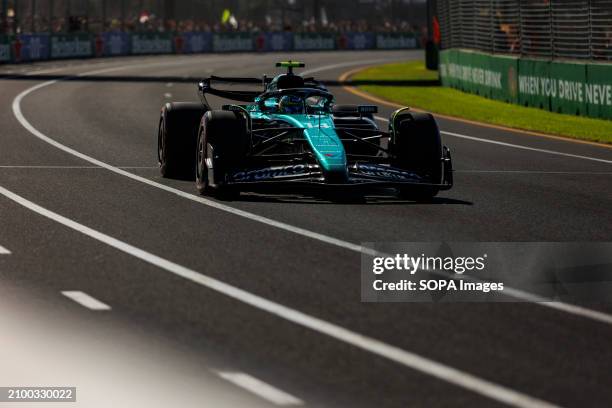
[406, 358]
[85, 300]
[261, 389]
[4, 251]
[347, 64]
[512, 145]
[395, 105]
[78, 167]
[568, 173]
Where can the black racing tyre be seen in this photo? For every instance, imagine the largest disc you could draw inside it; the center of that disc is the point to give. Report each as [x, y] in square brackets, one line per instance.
[176, 138]
[417, 146]
[222, 143]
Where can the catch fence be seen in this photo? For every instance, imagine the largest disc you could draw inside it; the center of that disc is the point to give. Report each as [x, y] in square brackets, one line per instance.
[551, 29]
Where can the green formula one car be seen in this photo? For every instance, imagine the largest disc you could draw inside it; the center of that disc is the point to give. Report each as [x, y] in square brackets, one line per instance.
[292, 137]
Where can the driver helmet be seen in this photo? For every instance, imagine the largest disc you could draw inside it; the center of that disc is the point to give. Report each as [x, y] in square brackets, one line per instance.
[291, 104]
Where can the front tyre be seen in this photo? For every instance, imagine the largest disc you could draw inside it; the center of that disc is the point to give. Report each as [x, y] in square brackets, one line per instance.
[204, 174]
[417, 146]
[176, 138]
[222, 145]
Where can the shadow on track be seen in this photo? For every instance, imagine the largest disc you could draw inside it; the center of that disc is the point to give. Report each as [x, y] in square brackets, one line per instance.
[357, 200]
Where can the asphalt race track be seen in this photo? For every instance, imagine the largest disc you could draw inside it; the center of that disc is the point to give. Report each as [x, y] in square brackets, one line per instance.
[106, 224]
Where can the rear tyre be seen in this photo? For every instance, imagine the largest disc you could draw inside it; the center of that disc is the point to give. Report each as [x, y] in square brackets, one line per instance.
[222, 145]
[176, 138]
[417, 146]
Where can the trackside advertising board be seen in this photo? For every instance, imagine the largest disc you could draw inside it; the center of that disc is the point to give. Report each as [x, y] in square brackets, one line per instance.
[356, 41]
[232, 42]
[5, 48]
[33, 47]
[396, 41]
[598, 90]
[574, 88]
[313, 41]
[193, 43]
[71, 46]
[30, 47]
[480, 74]
[278, 41]
[152, 43]
[111, 44]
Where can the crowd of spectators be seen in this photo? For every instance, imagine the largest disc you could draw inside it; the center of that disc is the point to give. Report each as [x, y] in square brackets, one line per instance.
[537, 28]
[152, 23]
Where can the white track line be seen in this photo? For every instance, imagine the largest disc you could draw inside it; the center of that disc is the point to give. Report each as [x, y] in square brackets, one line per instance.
[85, 300]
[515, 146]
[50, 167]
[261, 389]
[406, 358]
[559, 306]
[4, 251]
[563, 173]
[348, 64]
[78, 167]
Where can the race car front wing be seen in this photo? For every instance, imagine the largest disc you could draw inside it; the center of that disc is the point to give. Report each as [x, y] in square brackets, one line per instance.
[361, 175]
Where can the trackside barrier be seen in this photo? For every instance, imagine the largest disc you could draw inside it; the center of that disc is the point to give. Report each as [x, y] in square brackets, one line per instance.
[232, 42]
[599, 90]
[152, 43]
[71, 46]
[30, 47]
[278, 41]
[44, 46]
[5, 48]
[482, 74]
[356, 41]
[396, 41]
[312, 41]
[111, 44]
[576, 88]
[193, 43]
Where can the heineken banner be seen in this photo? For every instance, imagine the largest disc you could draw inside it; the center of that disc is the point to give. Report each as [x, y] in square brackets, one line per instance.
[506, 68]
[30, 47]
[278, 41]
[193, 43]
[598, 90]
[112, 43]
[71, 46]
[535, 83]
[566, 85]
[5, 48]
[308, 41]
[152, 43]
[476, 73]
[396, 41]
[232, 42]
[33, 47]
[356, 41]
[574, 88]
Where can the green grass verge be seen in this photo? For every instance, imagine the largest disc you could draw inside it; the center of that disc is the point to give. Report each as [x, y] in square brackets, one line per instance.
[451, 102]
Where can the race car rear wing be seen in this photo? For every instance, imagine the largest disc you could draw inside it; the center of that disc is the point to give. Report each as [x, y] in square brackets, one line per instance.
[206, 87]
